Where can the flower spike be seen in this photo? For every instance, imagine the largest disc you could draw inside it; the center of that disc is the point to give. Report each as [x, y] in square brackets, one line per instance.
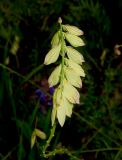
[66, 77]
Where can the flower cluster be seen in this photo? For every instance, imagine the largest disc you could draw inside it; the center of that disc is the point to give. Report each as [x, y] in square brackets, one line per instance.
[67, 75]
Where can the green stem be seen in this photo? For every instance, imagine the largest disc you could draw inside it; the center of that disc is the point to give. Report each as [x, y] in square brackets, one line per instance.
[62, 54]
[49, 140]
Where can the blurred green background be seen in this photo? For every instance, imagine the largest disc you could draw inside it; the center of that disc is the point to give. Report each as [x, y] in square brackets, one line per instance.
[26, 29]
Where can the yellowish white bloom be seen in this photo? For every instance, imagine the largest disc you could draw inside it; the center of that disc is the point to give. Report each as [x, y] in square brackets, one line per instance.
[54, 77]
[73, 30]
[55, 39]
[76, 67]
[75, 41]
[74, 55]
[67, 75]
[52, 55]
[62, 107]
[71, 93]
[72, 77]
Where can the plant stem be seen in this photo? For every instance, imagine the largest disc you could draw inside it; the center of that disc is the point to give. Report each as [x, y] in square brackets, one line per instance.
[62, 54]
[49, 140]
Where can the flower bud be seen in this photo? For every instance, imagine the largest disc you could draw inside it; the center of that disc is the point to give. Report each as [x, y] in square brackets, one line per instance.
[55, 39]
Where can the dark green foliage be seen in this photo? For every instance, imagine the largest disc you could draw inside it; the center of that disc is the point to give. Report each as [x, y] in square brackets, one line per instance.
[94, 130]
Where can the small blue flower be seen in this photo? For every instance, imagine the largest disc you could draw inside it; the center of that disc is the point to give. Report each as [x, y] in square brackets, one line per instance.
[51, 90]
[41, 96]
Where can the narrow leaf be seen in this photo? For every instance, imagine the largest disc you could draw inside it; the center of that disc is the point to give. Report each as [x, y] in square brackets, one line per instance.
[33, 139]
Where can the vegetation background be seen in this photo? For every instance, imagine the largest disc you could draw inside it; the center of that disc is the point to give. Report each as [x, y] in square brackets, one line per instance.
[94, 130]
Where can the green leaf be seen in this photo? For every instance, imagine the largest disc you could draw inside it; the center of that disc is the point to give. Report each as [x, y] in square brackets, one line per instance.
[33, 139]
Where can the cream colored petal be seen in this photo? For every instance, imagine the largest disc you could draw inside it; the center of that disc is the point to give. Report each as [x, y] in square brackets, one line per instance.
[40, 134]
[58, 96]
[52, 55]
[61, 114]
[68, 108]
[71, 93]
[73, 78]
[74, 55]
[75, 41]
[73, 30]
[55, 76]
[76, 67]
[55, 39]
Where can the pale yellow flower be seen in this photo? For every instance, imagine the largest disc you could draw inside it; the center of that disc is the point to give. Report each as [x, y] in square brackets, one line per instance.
[55, 39]
[55, 76]
[68, 107]
[52, 55]
[75, 41]
[76, 67]
[72, 77]
[67, 76]
[74, 55]
[73, 30]
[61, 112]
[71, 93]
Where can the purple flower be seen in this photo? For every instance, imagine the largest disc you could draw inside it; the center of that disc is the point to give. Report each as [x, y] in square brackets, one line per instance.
[51, 90]
[41, 96]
